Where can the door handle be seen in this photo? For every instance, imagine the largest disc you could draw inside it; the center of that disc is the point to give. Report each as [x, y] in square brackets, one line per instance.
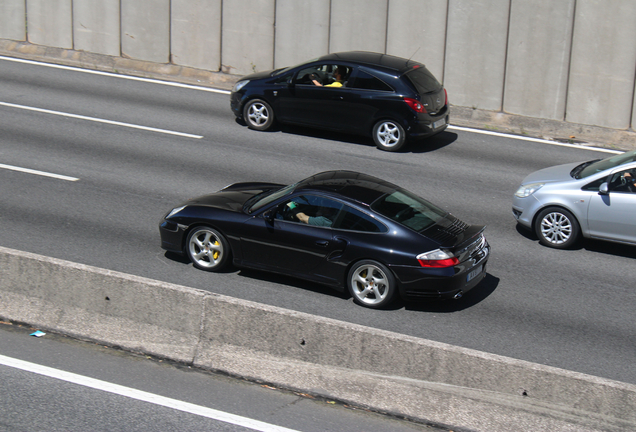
[322, 243]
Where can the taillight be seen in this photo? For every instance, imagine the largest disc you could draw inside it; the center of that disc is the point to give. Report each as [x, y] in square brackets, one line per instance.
[437, 259]
[415, 105]
[445, 97]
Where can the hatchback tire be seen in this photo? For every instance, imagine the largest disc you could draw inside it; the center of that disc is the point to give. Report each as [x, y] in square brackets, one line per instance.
[557, 228]
[388, 135]
[258, 115]
[207, 249]
[371, 284]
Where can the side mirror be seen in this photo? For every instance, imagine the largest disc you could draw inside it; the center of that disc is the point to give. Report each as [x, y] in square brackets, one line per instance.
[269, 215]
[603, 189]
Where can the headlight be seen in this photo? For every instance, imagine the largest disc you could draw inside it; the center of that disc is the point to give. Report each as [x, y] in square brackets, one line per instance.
[174, 212]
[527, 190]
[239, 85]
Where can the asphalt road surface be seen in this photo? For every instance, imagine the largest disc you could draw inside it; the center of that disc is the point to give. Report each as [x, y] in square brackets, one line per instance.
[569, 309]
[54, 383]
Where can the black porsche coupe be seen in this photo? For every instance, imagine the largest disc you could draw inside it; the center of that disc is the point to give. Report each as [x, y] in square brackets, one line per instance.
[340, 228]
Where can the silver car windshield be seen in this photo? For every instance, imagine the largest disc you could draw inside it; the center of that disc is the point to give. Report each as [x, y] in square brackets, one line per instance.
[409, 210]
[605, 164]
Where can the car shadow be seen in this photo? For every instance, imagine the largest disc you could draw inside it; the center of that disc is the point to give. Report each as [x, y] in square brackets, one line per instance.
[610, 248]
[470, 299]
[182, 259]
[293, 282]
[473, 297]
[425, 145]
[592, 245]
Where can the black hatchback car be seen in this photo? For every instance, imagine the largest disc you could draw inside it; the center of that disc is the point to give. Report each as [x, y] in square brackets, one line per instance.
[339, 228]
[390, 98]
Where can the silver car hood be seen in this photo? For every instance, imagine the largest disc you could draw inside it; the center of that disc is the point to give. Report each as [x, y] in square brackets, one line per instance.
[551, 174]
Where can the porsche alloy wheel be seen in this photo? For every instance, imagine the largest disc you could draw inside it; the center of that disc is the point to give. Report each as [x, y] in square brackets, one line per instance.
[371, 284]
[207, 249]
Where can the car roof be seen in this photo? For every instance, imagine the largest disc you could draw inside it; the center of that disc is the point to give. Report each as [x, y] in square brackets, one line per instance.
[389, 62]
[355, 186]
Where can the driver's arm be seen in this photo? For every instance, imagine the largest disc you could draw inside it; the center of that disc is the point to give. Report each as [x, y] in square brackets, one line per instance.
[302, 217]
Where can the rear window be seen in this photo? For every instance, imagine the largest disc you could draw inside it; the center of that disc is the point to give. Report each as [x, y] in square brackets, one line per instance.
[367, 81]
[423, 80]
[409, 210]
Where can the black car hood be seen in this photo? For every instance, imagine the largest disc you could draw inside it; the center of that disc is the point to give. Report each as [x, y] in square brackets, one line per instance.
[233, 197]
[451, 232]
[258, 75]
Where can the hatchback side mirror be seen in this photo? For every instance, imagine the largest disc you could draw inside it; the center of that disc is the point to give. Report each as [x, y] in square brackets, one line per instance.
[603, 189]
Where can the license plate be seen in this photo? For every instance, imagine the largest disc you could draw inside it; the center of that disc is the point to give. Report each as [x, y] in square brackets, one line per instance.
[439, 123]
[475, 272]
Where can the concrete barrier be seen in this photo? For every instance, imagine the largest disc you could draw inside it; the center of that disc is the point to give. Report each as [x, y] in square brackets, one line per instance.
[381, 370]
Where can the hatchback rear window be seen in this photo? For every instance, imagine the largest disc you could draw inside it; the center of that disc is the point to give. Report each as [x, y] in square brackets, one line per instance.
[367, 81]
[423, 80]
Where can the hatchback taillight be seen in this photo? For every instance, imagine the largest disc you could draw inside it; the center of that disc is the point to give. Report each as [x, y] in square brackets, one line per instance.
[415, 105]
[437, 259]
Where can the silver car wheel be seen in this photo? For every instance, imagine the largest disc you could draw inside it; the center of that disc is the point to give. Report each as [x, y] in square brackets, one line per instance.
[388, 135]
[258, 115]
[557, 228]
[207, 248]
[371, 284]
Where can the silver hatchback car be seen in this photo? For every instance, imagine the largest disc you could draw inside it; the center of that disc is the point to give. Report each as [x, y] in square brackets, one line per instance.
[595, 199]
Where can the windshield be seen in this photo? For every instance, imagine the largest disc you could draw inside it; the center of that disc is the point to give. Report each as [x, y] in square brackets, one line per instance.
[409, 210]
[267, 197]
[287, 69]
[589, 169]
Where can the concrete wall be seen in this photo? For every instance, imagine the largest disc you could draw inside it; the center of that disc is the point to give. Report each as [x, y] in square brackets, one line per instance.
[371, 368]
[96, 26]
[538, 64]
[12, 19]
[571, 61]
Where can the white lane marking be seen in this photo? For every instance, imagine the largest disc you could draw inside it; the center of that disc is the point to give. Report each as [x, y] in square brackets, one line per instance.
[36, 172]
[539, 140]
[114, 75]
[95, 119]
[141, 395]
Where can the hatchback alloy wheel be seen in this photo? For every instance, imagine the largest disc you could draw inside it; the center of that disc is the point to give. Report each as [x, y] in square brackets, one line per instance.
[388, 135]
[557, 228]
[258, 115]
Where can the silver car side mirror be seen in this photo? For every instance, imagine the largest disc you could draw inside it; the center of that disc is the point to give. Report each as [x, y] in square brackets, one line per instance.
[603, 189]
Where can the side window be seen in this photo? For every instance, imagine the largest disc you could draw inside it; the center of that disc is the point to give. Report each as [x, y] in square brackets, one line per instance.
[366, 81]
[594, 186]
[309, 209]
[283, 79]
[354, 220]
[624, 181]
[305, 75]
[329, 75]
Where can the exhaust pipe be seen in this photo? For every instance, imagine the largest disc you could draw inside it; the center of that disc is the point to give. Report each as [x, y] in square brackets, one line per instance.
[458, 295]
